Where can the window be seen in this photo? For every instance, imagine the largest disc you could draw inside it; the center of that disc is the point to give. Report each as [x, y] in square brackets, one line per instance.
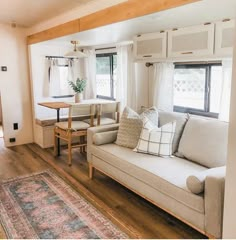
[106, 67]
[197, 89]
[62, 89]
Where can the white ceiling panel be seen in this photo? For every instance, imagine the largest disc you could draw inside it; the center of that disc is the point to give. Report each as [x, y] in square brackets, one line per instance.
[27, 13]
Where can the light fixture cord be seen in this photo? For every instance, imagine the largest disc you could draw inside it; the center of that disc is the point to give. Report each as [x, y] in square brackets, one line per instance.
[75, 48]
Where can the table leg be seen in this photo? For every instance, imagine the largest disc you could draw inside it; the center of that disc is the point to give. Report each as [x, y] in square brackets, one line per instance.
[58, 139]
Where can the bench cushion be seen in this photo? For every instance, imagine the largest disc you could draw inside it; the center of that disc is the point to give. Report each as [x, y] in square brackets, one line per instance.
[103, 121]
[75, 125]
[49, 121]
[167, 175]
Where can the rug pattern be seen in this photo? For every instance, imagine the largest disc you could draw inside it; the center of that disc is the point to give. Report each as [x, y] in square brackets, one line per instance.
[44, 206]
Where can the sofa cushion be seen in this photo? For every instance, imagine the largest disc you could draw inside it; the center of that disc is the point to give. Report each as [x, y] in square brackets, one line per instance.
[180, 118]
[154, 140]
[205, 141]
[167, 175]
[104, 137]
[131, 126]
[196, 182]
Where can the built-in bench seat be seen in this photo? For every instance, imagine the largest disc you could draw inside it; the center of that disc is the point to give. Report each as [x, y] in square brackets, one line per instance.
[49, 121]
[44, 128]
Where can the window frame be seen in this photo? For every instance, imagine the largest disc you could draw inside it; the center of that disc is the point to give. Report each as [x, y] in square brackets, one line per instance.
[111, 61]
[206, 112]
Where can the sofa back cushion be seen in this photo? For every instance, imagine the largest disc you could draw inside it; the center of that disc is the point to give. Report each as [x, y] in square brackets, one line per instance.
[131, 125]
[180, 118]
[205, 142]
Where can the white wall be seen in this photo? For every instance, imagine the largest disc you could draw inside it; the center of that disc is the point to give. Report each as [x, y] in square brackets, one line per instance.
[229, 227]
[14, 85]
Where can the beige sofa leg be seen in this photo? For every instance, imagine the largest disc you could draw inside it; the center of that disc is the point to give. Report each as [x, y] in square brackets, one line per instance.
[91, 171]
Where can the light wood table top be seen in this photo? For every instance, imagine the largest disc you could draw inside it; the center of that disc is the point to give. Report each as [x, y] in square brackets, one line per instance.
[54, 105]
[58, 105]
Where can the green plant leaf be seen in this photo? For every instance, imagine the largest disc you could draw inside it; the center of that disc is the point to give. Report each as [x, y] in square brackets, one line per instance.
[78, 86]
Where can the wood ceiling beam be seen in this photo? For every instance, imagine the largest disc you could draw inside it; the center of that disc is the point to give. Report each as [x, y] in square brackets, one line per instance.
[128, 10]
[120, 12]
[55, 32]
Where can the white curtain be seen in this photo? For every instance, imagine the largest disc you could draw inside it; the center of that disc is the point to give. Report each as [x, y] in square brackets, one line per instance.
[90, 73]
[54, 79]
[163, 86]
[57, 75]
[225, 90]
[126, 87]
[71, 75]
[47, 65]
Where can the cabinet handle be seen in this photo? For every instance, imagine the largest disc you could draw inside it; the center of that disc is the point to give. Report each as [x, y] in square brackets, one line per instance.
[187, 53]
[147, 56]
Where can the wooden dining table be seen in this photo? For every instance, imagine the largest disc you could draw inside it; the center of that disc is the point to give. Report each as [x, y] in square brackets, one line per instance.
[58, 105]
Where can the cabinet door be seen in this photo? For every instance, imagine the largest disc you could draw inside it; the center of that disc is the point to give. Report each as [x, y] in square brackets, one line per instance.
[150, 46]
[191, 41]
[224, 41]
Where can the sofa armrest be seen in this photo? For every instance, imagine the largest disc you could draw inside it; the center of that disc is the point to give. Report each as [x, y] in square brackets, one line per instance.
[214, 202]
[93, 130]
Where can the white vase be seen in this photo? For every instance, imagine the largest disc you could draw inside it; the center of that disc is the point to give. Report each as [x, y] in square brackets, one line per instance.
[78, 97]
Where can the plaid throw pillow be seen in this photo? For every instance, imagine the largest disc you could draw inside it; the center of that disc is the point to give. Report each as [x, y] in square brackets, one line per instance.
[156, 141]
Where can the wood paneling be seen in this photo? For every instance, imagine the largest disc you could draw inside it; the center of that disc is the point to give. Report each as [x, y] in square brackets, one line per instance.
[55, 32]
[128, 10]
[123, 11]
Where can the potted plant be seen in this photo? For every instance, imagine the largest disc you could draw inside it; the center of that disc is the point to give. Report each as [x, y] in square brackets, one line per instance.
[78, 86]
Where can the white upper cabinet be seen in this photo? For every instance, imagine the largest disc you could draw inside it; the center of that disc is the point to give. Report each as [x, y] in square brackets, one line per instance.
[224, 40]
[150, 46]
[191, 41]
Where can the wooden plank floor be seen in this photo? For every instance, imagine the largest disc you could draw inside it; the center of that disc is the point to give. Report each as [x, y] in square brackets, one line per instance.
[134, 215]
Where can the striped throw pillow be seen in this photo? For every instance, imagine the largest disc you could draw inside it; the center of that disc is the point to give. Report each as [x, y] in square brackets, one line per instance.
[156, 141]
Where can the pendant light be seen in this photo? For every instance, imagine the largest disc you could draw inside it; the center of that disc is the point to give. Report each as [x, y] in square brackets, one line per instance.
[75, 53]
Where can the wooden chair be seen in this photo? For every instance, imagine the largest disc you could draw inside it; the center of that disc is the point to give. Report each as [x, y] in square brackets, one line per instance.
[105, 109]
[104, 114]
[71, 129]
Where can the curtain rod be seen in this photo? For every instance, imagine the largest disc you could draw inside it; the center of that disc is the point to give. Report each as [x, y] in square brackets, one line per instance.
[149, 64]
[58, 57]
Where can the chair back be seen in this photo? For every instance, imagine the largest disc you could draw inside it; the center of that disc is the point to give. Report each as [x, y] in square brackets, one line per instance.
[113, 107]
[81, 110]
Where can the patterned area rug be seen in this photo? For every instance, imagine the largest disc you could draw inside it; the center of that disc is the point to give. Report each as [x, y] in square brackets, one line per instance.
[44, 206]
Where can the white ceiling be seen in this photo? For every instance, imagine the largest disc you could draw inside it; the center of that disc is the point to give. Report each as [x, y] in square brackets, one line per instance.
[27, 13]
[188, 15]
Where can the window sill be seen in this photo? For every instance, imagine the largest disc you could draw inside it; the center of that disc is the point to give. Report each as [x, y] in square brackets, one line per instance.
[196, 112]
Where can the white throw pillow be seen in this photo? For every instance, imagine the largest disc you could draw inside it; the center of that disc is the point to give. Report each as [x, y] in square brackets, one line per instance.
[154, 140]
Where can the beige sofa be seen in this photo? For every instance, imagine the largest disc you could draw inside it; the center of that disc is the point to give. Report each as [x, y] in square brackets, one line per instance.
[189, 185]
